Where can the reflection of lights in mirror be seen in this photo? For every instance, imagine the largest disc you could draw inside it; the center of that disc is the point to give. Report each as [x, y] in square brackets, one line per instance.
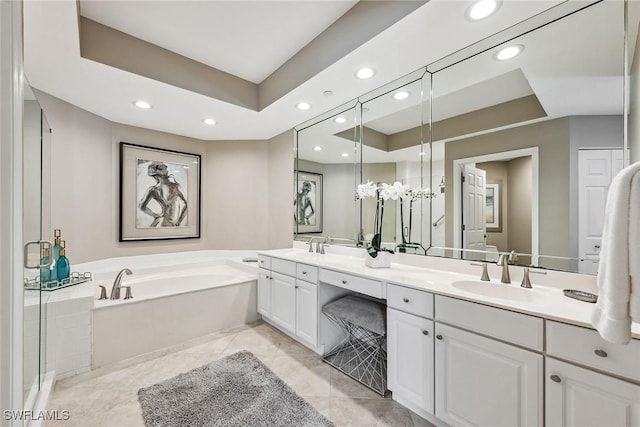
[142, 104]
[317, 148]
[340, 119]
[509, 52]
[345, 154]
[209, 122]
[399, 96]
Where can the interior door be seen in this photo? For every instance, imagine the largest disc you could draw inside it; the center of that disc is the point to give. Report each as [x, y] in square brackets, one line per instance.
[596, 169]
[474, 230]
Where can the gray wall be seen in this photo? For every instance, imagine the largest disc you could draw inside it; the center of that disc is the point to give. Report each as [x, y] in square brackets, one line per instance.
[552, 139]
[243, 185]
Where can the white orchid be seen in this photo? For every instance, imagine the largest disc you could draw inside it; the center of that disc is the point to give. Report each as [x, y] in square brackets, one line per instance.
[367, 190]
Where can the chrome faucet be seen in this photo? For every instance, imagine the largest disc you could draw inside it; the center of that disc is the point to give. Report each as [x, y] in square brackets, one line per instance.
[310, 243]
[115, 290]
[503, 261]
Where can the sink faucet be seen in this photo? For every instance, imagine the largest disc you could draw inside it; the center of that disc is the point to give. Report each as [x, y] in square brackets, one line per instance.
[503, 261]
[115, 290]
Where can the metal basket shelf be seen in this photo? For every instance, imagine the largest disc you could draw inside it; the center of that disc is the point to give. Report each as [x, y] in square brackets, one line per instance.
[74, 279]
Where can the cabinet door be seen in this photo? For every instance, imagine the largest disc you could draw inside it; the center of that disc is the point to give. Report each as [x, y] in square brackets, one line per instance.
[483, 382]
[307, 312]
[578, 397]
[410, 360]
[283, 303]
[264, 293]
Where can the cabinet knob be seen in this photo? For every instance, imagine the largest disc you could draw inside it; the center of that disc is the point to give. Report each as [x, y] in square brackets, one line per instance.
[296, 286]
[600, 353]
[405, 299]
[425, 332]
[439, 336]
[304, 272]
[555, 378]
[344, 282]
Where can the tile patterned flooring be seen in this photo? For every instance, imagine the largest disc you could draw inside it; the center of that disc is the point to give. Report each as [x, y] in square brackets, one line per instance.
[108, 396]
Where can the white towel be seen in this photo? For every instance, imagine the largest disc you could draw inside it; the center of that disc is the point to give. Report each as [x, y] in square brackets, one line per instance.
[619, 270]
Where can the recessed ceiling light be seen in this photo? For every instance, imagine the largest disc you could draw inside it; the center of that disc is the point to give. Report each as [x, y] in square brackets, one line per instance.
[317, 148]
[340, 119]
[509, 52]
[142, 104]
[345, 154]
[327, 93]
[365, 73]
[422, 153]
[365, 109]
[481, 9]
[209, 122]
[303, 106]
[399, 96]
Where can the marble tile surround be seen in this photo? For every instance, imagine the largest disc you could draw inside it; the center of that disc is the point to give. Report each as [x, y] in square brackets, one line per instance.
[108, 396]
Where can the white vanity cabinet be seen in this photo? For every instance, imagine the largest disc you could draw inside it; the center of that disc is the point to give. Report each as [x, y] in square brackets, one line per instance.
[288, 297]
[481, 381]
[410, 348]
[579, 396]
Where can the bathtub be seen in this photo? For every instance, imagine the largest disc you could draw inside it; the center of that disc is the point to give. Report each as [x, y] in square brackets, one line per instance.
[172, 303]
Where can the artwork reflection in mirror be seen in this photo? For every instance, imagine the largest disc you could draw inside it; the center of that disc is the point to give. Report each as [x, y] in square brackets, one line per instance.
[326, 160]
[535, 123]
[308, 202]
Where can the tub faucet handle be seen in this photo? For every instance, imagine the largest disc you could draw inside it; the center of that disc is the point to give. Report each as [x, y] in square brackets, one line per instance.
[103, 292]
[127, 294]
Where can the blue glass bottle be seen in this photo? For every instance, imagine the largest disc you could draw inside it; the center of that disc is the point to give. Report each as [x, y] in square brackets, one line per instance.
[55, 254]
[62, 266]
[45, 273]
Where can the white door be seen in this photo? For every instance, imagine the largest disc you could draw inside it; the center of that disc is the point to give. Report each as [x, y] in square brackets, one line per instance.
[264, 293]
[283, 301]
[596, 169]
[473, 204]
[578, 397]
[410, 360]
[483, 382]
[307, 312]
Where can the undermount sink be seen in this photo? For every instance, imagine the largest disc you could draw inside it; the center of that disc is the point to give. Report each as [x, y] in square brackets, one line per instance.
[496, 290]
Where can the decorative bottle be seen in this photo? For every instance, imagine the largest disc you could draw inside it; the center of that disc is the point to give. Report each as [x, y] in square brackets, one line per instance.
[45, 273]
[55, 254]
[63, 263]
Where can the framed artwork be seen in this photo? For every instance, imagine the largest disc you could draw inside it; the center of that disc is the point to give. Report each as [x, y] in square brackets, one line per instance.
[493, 207]
[159, 194]
[307, 202]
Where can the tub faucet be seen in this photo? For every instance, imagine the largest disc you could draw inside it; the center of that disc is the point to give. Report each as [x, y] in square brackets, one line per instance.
[115, 290]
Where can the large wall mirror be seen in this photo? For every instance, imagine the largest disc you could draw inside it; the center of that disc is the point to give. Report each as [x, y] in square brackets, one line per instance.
[518, 153]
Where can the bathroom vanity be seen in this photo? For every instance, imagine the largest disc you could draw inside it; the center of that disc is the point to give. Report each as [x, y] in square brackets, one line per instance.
[463, 352]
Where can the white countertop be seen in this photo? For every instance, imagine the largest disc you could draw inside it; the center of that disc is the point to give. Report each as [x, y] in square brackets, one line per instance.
[542, 301]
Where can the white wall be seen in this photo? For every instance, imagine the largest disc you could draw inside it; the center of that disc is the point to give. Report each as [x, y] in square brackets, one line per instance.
[237, 177]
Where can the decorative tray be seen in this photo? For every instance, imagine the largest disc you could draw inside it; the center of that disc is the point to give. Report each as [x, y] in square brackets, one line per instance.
[581, 295]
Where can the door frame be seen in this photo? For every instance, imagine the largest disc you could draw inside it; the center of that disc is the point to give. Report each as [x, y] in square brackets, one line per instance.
[535, 192]
[11, 272]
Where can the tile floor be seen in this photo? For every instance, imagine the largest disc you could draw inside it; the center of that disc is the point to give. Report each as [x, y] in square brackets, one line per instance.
[108, 396]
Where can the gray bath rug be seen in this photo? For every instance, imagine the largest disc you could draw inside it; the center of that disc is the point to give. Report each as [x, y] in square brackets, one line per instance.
[237, 390]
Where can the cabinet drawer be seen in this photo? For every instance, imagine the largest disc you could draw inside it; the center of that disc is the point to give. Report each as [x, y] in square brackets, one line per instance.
[412, 301]
[354, 283]
[264, 262]
[283, 266]
[585, 346]
[308, 273]
[520, 329]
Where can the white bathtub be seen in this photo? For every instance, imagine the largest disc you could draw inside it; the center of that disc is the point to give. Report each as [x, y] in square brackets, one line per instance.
[171, 304]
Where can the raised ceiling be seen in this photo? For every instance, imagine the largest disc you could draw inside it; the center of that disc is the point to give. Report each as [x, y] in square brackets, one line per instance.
[249, 40]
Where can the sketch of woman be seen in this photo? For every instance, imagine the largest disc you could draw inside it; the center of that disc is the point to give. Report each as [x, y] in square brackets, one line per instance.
[167, 193]
[304, 205]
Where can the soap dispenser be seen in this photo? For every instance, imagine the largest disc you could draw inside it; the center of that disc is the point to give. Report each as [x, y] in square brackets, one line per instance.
[45, 273]
[63, 263]
[55, 254]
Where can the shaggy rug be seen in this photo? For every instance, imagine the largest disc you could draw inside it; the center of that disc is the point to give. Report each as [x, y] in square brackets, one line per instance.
[237, 390]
